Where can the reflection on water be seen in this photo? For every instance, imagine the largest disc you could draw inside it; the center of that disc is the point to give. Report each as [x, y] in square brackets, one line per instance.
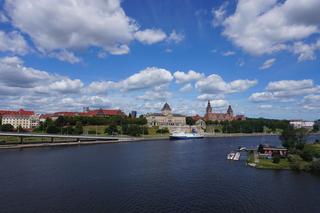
[159, 176]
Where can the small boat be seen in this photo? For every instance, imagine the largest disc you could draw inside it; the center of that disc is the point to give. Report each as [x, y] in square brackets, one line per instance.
[230, 156]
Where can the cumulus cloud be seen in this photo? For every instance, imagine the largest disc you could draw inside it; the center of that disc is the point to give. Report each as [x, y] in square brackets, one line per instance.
[149, 77]
[267, 64]
[267, 26]
[214, 84]
[67, 86]
[15, 75]
[184, 77]
[13, 42]
[78, 24]
[286, 90]
[150, 36]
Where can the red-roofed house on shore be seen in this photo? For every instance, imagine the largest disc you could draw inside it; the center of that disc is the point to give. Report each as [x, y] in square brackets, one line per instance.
[25, 119]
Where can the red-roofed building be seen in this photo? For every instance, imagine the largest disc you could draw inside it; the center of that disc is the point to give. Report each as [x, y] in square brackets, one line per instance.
[228, 116]
[25, 119]
[87, 113]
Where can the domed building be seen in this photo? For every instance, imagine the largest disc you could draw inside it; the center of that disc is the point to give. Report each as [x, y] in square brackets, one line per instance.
[166, 118]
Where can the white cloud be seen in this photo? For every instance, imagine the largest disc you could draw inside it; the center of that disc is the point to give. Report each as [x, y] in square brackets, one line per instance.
[228, 53]
[288, 85]
[80, 24]
[267, 64]
[219, 14]
[311, 102]
[26, 80]
[65, 55]
[186, 88]
[286, 90]
[67, 86]
[150, 36]
[13, 42]
[182, 77]
[261, 96]
[267, 26]
[214, 84]
[205, 97]
[102, 87]
[265, 106]
[175, 37]
[153, 95]
[149, 77]
[305, 51]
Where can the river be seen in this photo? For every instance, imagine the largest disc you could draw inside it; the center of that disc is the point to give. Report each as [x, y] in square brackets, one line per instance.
[150, 176]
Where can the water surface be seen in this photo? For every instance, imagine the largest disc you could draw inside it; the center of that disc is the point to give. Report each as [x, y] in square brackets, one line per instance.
[158, 176]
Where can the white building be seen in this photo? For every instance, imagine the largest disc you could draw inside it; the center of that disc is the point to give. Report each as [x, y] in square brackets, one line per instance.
[166, 118]
[23, 118]
[302, 124]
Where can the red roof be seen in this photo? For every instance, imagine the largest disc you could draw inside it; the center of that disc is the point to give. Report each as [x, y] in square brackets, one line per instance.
[20, 112]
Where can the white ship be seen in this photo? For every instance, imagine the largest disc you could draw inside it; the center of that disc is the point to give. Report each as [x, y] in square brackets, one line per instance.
[184, 135]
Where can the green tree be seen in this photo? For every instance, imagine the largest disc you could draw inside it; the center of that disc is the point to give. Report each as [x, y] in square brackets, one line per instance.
[111, 129]
[190, 121]
[7, 128]
[78, 129]
[52, 129]
[288, 138]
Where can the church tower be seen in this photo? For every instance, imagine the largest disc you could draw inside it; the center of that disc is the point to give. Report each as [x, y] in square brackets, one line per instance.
[209, 108]
[230, 111]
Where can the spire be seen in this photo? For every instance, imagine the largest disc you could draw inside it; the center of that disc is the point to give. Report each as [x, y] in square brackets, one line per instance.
[209, 108]
[166, 110]
[166, 107]
[230, 110]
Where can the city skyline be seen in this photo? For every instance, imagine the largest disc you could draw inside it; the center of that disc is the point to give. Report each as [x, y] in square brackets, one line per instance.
[258, 56]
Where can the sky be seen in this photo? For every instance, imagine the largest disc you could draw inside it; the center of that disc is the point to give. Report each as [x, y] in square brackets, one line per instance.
[260, 56]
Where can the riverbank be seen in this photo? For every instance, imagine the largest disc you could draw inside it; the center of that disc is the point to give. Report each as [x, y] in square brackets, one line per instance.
[306, 160]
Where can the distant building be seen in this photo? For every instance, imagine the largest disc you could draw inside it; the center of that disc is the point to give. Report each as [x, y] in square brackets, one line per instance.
[166, 118]
[133, 114]
[302, 124]
[86, 113]
[25, 119]
[215, 116]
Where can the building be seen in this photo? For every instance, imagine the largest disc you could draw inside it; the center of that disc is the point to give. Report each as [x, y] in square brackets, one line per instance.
[266, 151]
[133, 114]
[166, 118]
[215, 116]
[302, 124]
[23, 118]
[86, 113]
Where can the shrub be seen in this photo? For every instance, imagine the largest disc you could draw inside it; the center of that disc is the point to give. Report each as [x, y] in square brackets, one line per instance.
[307, 155]
[276, 159]
[163, 130]
[315, 167]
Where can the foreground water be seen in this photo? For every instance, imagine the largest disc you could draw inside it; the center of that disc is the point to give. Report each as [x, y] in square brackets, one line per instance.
[158, 176]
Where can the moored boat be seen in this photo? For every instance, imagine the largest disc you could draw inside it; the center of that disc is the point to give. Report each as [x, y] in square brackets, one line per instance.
[184, 135]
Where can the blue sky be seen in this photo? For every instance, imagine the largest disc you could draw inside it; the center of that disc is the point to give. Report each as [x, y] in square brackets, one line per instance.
[260, 56]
